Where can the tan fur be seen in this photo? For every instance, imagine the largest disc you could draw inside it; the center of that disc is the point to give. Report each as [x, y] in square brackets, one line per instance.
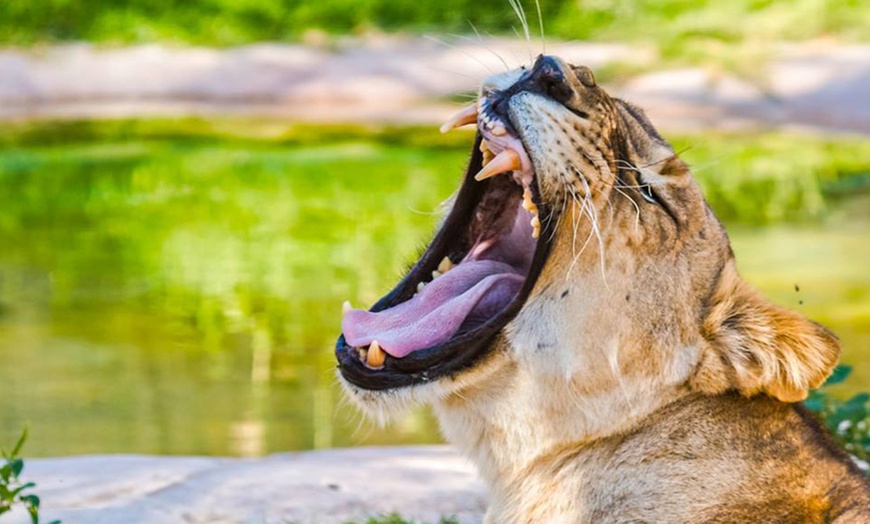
[643, 380]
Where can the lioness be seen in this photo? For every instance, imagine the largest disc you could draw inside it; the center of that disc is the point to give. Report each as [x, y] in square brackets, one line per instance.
[580, 327]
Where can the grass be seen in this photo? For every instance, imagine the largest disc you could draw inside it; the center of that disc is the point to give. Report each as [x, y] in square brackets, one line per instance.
[676, 26]
[738, 36]
[755, 178]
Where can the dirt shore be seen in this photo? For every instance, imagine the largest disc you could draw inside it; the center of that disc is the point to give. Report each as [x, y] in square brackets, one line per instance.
[417, 80]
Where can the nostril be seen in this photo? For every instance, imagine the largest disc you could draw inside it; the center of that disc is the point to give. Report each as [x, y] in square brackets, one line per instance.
[556, 87]
[548, 77]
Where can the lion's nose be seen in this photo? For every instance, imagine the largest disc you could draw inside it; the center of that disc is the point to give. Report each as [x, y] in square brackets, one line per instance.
[548, 78]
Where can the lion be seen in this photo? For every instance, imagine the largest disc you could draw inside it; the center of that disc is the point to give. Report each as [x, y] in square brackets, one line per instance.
[580, 327]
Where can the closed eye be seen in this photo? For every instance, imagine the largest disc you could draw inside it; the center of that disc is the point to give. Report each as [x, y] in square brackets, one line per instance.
[647, 193]
[651, 196]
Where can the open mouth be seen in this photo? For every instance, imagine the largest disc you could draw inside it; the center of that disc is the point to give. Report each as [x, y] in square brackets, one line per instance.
[472, 279]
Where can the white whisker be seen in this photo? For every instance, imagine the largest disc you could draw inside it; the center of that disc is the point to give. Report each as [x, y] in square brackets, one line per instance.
[463, 51]
[521, 14]
[541, 23]
[491, 50]
[634, 203]
[474, 78]
[561, 213]
[425, 213]
[597, 230]
[584, 210]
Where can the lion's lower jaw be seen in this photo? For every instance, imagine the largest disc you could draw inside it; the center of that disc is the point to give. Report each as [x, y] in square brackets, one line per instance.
[389, 405]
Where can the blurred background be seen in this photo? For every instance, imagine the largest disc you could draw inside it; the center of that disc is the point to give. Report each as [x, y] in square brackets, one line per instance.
[190, 189]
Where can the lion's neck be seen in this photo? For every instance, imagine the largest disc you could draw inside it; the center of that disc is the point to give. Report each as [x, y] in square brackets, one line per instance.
[518, 420]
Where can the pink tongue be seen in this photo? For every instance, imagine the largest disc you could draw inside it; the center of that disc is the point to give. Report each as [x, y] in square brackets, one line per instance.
[472, 291]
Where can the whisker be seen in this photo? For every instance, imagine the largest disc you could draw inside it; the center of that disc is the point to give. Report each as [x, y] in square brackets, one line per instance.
[518, 60]
[559, 216]
[521, 14]
[632, 186]
[491, 50]
[574, 253]
[562, 214]
[464, 96]
[426, 213]
[466, 53]
[670, 157]
[634, 203]
[541, 23]
[711, 163]
[584, 205]
[597, 230]
[475, 78]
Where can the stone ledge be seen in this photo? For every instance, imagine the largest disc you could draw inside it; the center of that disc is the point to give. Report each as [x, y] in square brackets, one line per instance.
[421, 483]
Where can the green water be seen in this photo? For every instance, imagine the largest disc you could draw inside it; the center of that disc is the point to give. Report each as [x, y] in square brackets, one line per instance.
[179, 292]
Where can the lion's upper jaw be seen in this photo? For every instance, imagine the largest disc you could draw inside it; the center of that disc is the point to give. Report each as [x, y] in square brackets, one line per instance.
[571, 154]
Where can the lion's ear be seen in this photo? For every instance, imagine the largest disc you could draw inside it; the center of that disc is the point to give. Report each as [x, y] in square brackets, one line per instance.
[753, 346]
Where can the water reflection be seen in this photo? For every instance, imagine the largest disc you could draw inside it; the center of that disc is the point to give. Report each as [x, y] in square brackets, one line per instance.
[159, 295]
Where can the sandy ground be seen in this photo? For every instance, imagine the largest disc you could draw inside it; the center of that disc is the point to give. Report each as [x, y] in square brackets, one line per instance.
[417, 80]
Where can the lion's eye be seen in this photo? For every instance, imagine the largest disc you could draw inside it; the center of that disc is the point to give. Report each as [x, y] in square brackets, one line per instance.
[647, 193]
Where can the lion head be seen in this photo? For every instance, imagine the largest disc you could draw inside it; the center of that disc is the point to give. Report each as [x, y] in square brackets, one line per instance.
[579, 274]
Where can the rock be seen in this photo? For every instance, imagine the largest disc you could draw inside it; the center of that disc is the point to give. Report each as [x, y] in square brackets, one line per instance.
[420, 483]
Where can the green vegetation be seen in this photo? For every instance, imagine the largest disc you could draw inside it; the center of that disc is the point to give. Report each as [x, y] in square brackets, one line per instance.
[770, 177]
[678, 26]
[174, 286]
[13, 492]
[206, 263]
[766, 177]
[848, 420]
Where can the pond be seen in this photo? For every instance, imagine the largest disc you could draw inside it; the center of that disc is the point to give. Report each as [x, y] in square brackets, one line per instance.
[175, 287]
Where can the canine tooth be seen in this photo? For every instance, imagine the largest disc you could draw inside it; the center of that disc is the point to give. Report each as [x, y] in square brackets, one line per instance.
[445, 265]
[420, 286]
[487, 157]
[346, 306]
[375, 357]
[484, 146]
[507, 160]
[467, 115]
[499, 131]
[536, 226]
[436, 274]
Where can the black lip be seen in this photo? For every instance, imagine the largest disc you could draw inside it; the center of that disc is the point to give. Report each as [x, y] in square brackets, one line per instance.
[461, 352]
